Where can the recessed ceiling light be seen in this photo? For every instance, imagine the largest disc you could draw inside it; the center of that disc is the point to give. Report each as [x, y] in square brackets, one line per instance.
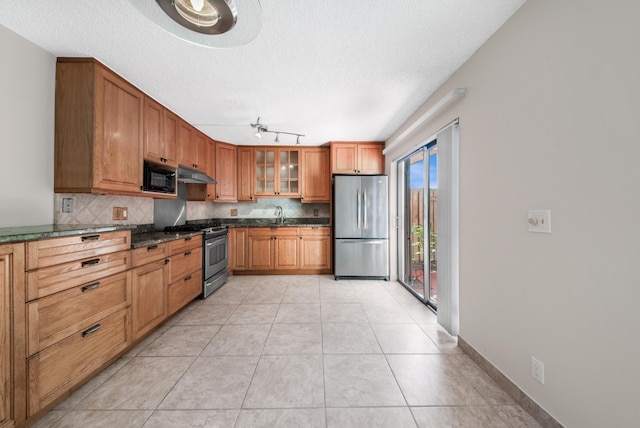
[209, 23]
[202, 16]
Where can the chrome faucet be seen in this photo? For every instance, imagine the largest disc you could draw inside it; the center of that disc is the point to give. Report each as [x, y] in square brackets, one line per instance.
[280, 214]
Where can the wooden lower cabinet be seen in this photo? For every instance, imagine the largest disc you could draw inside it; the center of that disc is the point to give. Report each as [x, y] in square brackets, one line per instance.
[12, 333]
[149, 297]
[280, 250]
[184, 290]
[55, 370]
[315, 248]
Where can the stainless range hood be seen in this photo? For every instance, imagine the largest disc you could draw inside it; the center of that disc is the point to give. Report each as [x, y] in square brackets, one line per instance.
[188, 175]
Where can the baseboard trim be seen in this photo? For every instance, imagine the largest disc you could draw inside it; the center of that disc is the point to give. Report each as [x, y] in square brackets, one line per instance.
[530, 406]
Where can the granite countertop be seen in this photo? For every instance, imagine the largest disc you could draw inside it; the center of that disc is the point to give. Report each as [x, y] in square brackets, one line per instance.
[139, 240]
[272, 222]
[45, 231]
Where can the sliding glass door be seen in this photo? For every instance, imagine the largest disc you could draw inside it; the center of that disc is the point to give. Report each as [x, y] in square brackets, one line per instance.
[419, 189]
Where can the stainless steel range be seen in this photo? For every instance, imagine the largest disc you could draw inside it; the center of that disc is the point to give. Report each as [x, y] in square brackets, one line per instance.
[215, 253]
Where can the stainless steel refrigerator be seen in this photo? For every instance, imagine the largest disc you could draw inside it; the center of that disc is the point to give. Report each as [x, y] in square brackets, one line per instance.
[361, 226]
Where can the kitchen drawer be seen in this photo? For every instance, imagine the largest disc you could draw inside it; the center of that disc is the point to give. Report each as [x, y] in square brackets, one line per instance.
[151, 253]
[49, 252]
[315, 231]
[273, 231]
[184, 263]
[60, 315]
[53, 279]
[184, 290]
[54, 371]
[184, 244]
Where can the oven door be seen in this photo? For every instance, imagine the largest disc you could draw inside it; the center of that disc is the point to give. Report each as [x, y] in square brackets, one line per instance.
[215, 255]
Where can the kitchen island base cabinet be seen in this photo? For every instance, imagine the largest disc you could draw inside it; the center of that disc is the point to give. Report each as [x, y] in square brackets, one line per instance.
[55, 370]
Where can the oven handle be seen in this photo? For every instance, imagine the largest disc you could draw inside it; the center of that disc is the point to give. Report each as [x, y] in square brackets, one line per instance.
[212, 242]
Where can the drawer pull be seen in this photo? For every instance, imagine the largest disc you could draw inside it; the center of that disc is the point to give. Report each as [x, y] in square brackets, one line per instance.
[91, 238]
[187, 239]
[91, 330]
[90, 262]
[188, 253]
[90, 287]
[187, 278]
[152, 247]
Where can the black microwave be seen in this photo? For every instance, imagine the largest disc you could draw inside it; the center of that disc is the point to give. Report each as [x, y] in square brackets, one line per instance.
[159, 179]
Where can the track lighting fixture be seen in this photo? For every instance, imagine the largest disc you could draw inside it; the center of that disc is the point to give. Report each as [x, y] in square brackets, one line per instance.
[260, 128]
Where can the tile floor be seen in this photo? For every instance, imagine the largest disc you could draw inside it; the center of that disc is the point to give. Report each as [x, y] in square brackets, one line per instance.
[294, 351]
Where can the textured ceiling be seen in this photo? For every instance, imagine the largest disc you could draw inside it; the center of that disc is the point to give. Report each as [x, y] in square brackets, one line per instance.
[329, 69]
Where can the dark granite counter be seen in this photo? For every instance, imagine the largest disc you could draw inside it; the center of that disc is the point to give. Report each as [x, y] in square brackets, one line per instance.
[45, 231]
[271, 222]
[139, 240]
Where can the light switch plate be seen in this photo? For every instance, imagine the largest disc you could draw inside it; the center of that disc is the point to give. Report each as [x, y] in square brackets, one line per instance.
[539, 221]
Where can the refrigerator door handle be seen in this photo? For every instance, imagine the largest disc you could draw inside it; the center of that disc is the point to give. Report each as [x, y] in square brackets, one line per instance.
[358, 208]
[364, 208]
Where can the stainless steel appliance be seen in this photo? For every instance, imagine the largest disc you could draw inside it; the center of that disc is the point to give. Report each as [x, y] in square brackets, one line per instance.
[158, 179]
[361, 226]
[214, 254]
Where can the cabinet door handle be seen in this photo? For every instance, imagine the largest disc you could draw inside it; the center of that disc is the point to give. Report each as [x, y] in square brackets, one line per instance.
[187, 253]
[90, 262]
[90, 287]
[152, 247]
[90, 238]
[187, 278]
[166, 261]
[91, 330]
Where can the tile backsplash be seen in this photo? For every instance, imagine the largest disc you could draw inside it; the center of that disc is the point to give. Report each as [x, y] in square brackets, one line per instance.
[98, 209]
[263, 208]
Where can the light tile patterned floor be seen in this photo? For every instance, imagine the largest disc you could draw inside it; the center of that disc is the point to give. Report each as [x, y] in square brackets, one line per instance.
[294, 351]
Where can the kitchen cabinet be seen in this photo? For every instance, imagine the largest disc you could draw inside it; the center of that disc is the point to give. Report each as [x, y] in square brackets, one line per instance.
[205, 192]
[98, 130]
[226, 173]
[357, 157]
[246, 174]
[315, 248]
[149, 296]
[160, 133]
[78, 297]
[192, 147]
[265, 250]
[185, 272]
[238, 251]
[12, 334]
[273, 248]
[277, 172]
[316, 175]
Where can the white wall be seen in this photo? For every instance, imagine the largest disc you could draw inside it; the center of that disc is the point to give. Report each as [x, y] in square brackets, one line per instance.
[27, 90]
[552, 121]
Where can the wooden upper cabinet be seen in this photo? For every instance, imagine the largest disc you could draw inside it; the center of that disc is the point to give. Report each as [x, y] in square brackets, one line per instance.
[98, 130]
[357, 157]
[160, 134]
[246, 174]
[316, 175]
[226, 173]
[192, 147]
[277, 172]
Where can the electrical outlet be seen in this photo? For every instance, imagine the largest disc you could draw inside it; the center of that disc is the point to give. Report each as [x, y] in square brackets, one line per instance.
[234, 212]
[537, 370]
[315, 212]
[67, 205]
[120, 213]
